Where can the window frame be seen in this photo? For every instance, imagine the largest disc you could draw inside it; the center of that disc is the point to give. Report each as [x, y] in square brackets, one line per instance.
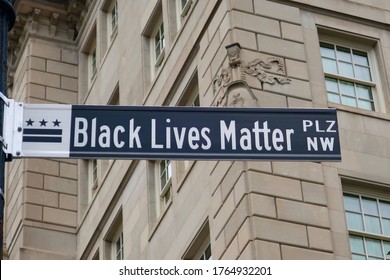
[203, 253]
[200, 244]
[165, 188]
[117, 239]
[113, 16]
[92, 63]
[113, 235]
[184, 9]
[159, 30]
[157, 205]
[368, 47]
[93, 177]
[369, 192]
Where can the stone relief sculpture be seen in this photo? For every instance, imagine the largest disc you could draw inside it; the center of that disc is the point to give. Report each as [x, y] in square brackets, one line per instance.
[232, 80]
[258, 67]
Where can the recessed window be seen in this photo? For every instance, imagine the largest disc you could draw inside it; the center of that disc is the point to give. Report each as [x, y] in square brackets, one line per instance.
[200, 247]
[165, 175]
[89, 63]
[93, 174]
[205, 254]
[114, 242]
[93, 62]
[113, 12]
[96, 256]
[368, 221]
[348, 76]
[159, 189]
[159, 44]
[118, 247]
[154, 44]
[185, 6]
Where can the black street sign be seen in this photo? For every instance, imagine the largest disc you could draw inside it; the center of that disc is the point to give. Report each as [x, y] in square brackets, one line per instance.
[152, 132]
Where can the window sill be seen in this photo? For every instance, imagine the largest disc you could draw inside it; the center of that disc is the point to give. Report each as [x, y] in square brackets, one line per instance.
[160, 59]
[368, 234]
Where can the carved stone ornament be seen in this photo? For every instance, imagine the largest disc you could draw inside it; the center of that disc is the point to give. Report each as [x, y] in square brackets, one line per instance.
[233, 53]
[258, 68]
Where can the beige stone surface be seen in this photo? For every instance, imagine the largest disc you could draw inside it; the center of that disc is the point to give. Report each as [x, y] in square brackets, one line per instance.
[303, 213]
[263, 205]
[274, 185]
[267, 250]
[274, 230]
[59, 216]
[314, 193]
[320, 238]
[295, 253]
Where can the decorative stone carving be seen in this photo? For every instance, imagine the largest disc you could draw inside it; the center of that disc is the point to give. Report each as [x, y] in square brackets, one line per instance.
[54, 18]
[237, 100]
[233, 53]
[223, 80]
[232, 80]
[53, 23]
[35, 20]
[257, 68]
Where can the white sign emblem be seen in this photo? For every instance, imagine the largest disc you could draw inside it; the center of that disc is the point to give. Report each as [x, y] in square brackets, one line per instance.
[46, 130]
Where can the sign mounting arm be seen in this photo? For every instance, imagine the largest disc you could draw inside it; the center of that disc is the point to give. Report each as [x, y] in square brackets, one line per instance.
[12, 135]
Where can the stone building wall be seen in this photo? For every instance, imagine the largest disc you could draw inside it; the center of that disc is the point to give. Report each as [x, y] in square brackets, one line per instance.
[247, 53]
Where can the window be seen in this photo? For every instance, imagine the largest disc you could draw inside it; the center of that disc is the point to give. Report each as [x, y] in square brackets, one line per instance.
[185, 6]
[368, 220]
[113, 12]
[159, 189]
[93, 174]
[114, 242]
[206, 253]
[200, 247]
[154, 42]
[89, 63]
[96, 255]
[348, 76]
[165, 175]
[190, 96]
[118, 247]
[92, 62]
[159, 44]
[108, 26]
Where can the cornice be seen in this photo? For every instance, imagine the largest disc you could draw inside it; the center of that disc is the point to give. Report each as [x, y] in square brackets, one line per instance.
[52, 20]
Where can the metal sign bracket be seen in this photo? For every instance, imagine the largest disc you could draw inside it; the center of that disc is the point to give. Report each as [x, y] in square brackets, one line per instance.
[12, 136]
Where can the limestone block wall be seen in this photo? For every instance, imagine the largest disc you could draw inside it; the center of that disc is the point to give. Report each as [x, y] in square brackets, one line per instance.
[41, 215]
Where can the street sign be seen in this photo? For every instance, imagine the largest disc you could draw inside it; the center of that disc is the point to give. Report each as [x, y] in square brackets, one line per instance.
[152, 132]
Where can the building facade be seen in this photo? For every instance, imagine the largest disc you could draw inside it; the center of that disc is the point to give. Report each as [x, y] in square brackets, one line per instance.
[226, 53]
